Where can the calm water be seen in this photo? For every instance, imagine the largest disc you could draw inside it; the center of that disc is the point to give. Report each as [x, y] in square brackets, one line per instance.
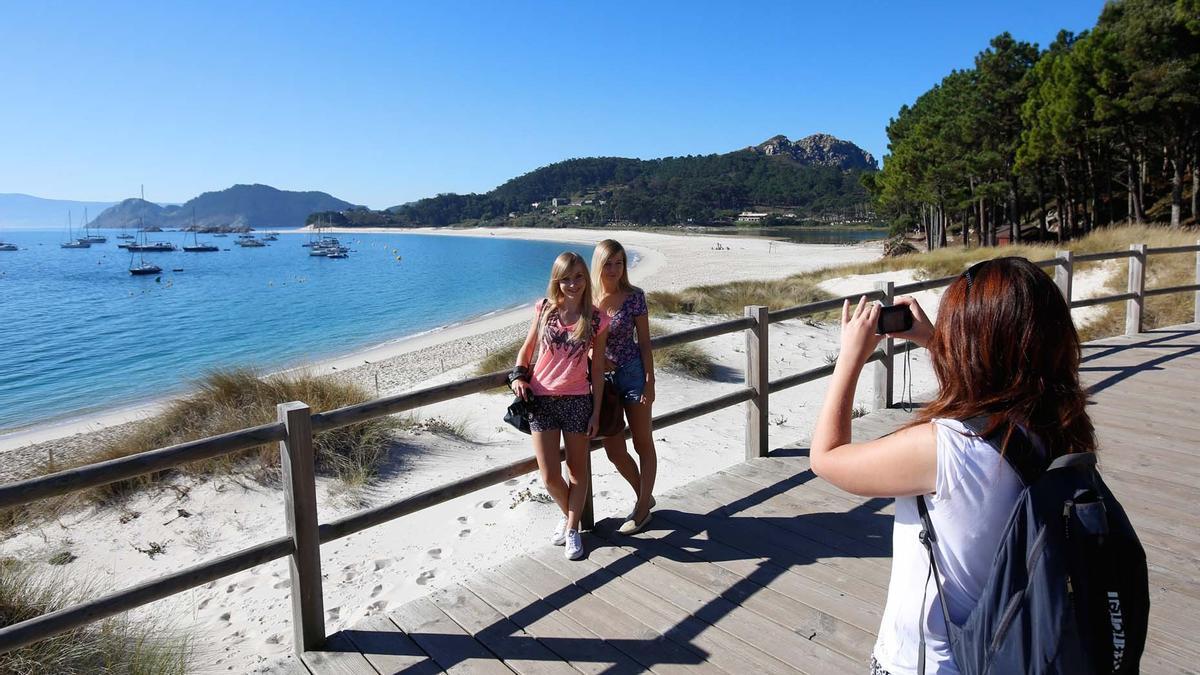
[78, 333]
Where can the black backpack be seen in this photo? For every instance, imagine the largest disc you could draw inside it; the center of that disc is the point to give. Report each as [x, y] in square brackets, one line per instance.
[1068, 590]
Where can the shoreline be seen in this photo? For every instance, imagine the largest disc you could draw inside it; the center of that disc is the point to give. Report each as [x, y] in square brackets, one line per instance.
[474, 337]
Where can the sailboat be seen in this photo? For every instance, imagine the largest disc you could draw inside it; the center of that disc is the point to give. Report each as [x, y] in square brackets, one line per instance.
[88, 236]
[196, 246]
[74, 243]
[142, 268]
[7, 247]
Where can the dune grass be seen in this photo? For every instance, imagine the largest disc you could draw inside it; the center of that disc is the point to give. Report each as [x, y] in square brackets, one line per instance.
[225, 401]
[802, 288]
[115, 645]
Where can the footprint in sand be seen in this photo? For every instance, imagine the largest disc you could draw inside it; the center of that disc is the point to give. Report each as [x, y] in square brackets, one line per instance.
[377, 606]
[376, 591]
[230, 588]
[512, 481]
[349, 576]
[382, 563]
[424, 577]
[279, 585]
[204, 603]
[435, 553]
[333, 613]
[463, 534]
[462, 520]
[225, 616]
[487, 505]
[274, 639]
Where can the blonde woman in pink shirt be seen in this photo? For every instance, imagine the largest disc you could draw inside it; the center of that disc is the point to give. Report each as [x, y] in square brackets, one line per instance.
[566, 326]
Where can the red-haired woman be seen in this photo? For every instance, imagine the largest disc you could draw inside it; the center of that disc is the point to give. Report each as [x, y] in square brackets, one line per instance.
[1006, 355]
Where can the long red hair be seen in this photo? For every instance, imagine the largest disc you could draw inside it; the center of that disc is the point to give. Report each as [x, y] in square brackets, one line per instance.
[1004, 347]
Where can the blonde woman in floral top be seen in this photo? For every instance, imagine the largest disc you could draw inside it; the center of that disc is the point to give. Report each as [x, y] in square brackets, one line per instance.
[629, 366]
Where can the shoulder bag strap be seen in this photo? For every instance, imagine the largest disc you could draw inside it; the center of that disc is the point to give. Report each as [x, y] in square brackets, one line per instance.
[928, 538]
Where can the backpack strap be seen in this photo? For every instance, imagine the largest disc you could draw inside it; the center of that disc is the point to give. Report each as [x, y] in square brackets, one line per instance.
[1073, 459]
[928, 538]
[1021, 455]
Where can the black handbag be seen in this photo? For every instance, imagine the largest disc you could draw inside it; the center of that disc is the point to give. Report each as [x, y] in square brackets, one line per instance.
[518, 414]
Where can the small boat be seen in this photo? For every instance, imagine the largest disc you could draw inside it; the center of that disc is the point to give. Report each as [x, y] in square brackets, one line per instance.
[88, 236]
[74, 243]
[145, 268]
[196, 246]
[220, 234]
[337, 254]
[200, 248]
[7, 247]
[249, 243]
[154, 246]
[271, 236]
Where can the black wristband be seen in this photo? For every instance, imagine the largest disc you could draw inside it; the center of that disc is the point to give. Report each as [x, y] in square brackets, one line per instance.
[518, 373]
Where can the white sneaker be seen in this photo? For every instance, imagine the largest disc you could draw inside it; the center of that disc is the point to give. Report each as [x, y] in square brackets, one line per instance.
[574, 545]
[560, 532]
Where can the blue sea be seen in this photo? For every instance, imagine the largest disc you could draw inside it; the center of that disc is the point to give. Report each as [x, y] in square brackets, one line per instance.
[79, 334]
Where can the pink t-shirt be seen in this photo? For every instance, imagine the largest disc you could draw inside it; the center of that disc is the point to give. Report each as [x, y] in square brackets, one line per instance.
[561, 367]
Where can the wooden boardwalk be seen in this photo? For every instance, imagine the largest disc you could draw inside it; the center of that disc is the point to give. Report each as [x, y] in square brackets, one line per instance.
[762, 568]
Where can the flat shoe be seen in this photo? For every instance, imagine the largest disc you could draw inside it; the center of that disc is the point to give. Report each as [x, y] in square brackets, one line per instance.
[631, 526]
[653, 503]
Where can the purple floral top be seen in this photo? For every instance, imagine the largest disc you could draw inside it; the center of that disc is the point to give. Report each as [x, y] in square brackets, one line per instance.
[622, 344]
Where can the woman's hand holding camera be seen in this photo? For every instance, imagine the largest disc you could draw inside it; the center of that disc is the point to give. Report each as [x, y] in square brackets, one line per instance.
[922, 328]
[858, 331]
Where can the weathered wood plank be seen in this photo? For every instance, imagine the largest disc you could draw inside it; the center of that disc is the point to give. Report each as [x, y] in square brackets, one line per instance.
[573, 642]
[670, 609]
[444, 640]
[518, 650]
[339, 656]
[721, 590]
[634, 638]
[819, 593]
[685, 511]
[387, 648]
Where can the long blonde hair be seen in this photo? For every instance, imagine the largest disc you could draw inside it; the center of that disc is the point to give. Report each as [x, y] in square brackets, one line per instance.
[604, 252]
[563, 265]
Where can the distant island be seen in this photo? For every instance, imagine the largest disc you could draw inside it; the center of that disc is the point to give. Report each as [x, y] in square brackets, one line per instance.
[778, 181]
[238, 208]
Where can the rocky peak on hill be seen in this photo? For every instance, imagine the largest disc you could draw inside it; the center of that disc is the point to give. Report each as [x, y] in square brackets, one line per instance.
[818, 150]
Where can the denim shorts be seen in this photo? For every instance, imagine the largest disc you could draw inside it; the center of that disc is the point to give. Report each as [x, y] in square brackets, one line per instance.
[569, 413]
[629, 380]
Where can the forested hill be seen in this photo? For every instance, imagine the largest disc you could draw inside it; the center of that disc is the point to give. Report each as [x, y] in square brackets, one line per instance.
[240, 206]
[813, 176]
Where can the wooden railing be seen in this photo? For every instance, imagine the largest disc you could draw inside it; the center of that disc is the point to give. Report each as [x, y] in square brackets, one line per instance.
[297, 423]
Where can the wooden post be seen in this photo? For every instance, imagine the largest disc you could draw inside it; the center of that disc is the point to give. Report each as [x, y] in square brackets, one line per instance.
[883, 367]
[1137, 285]
[1064, 271]
[1197, 308]
[756, 379]
[300, 508]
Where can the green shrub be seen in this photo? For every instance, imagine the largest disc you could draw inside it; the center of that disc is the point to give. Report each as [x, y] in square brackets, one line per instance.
[225, 401]
[114, 645]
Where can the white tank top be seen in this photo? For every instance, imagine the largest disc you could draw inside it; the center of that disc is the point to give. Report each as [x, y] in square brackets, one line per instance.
[975, 493]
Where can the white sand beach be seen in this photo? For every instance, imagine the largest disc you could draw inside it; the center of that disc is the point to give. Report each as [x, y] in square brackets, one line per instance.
[242, 623]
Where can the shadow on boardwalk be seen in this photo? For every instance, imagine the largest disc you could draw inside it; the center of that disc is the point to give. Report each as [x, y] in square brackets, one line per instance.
[761, 568]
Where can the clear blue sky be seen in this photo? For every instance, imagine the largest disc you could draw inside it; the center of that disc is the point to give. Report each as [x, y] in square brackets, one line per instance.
[380, 103]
